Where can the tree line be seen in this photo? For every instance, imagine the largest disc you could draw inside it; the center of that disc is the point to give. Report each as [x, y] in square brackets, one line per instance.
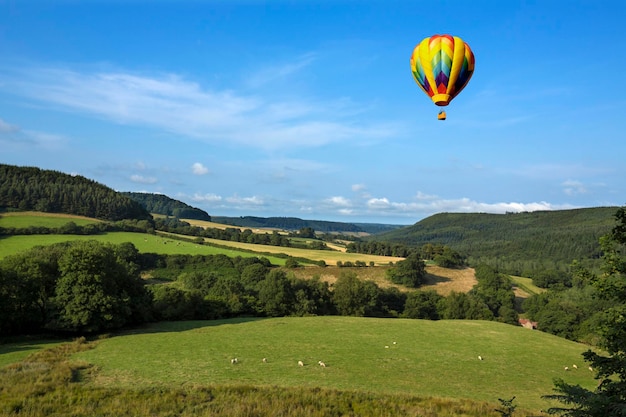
[162, 204]
[29, 188]
[89, 287]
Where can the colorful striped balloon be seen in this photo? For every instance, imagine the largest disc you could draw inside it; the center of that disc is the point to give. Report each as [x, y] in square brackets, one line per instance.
[442, 65]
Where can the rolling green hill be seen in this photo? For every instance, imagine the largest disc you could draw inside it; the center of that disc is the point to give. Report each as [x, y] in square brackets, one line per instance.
[162, 204]
[518, 243]
[30, 188]
[415, 357]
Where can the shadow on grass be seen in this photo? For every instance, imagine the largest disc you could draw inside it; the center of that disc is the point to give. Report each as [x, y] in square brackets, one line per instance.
[27, 343]
[183, 326]
[430, 279]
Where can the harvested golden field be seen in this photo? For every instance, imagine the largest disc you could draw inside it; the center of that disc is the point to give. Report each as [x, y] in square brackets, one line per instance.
[212, 225]
[442, 280]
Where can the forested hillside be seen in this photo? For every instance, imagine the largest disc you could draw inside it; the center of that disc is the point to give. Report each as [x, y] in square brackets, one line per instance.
[30, 188]
[518, 243]
[162, 204]
[294, 223]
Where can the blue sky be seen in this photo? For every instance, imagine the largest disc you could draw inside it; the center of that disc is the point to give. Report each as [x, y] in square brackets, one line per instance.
[308, 108]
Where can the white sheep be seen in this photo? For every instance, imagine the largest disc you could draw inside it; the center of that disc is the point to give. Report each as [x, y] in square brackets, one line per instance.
[322, 364]
[480, 358]
[574, 366]
[591, 369]
[300, 363]
[234, 361]
[264, 360]
[566, 368]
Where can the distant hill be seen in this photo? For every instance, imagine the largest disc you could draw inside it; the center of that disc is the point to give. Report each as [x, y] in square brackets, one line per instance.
[294, 223]
[516, 242]
[30, 188]
[162, 204]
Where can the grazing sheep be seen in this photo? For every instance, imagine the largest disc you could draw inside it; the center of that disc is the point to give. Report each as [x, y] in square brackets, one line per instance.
[386, 347]
[566, 368]
[264, 360]
[480, 358]
[322, 364]
[234, 361]
[300, 363]
[591, 369]
[574, 366]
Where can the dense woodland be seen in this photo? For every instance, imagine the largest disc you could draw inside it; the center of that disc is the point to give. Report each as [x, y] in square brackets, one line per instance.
[516, 243]
[162, 204]
[294, 223]
[28, 188]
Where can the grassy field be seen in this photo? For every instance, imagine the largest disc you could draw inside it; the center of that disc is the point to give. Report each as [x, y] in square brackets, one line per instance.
[25, 219]
[526, 285]
[387, 356]
[143, 242]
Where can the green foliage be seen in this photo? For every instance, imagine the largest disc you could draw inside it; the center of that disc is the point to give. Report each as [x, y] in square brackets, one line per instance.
[609, 398]
[354, 297]
[99, 288]
[162, 204]
[507, 407]
[495, 290]
[552, 278]
[517, 244]
[28, 188]
[422, 305]
[276, 296]
[409, 271]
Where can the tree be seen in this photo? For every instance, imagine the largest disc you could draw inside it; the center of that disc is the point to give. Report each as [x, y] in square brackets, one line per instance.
[609, 398]
[353, 297]
[409, 271]
[97, 290]
[422, 305]
[276, 297]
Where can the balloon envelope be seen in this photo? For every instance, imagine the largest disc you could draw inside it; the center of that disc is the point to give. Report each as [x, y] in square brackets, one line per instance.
[442, 65]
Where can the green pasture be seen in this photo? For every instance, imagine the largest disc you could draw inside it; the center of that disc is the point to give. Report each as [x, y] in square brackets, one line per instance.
[15, 351]
[25, 220]
[527, 285]
[145, 243]
[388, 356]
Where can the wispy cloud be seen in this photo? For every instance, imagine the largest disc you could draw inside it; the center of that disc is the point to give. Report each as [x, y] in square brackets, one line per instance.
[140, 179]
[573, 187]
[174, 104]
[13, 135]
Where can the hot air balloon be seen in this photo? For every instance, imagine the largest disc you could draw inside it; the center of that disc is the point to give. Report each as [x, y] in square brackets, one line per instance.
[442, 65]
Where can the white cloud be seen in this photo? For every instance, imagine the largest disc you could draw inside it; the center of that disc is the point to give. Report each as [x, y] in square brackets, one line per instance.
[358, 187]
[339, 201]
[206, 198]
[254, 200]
[573, 187]
[199, 169]
[143, 180]
[174, 104]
